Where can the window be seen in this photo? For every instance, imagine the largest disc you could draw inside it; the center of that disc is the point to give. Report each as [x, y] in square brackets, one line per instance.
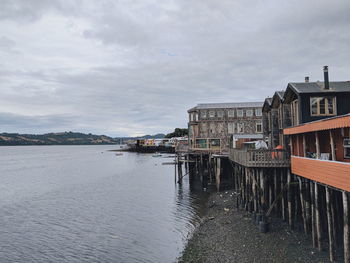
[212, 128]
[346, 144]
[239, 113]
[249, 113]
[211, 114]
[203, 114]
[231, 127]
[196, 116]
[231, 113]
[240, 128]
[258, 112]
[322, 106]
[220, 113]
[258, 127]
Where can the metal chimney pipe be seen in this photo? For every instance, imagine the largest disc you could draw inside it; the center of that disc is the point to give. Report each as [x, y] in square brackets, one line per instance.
[307, 79]
[326, 78]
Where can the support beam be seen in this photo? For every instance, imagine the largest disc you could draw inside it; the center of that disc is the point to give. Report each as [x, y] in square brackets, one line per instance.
[330, 223]
[346, 227]
[318, 218]
[290, 197]
[318, 152]
[218, 173]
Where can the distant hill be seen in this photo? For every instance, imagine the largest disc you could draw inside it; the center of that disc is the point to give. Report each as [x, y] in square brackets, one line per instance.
[62, 138]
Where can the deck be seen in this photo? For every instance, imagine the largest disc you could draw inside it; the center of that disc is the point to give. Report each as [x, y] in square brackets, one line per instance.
[260, 158]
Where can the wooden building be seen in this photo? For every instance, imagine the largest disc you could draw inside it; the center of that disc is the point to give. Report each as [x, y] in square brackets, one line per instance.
[216, 127]
[321, 158]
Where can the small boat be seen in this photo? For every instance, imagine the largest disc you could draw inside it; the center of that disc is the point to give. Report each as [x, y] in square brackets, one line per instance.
[156, 155]
[118, 154]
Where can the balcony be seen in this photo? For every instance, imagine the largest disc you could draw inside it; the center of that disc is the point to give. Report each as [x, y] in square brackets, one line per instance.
[212, 145]
[333, 173]
[260, 158]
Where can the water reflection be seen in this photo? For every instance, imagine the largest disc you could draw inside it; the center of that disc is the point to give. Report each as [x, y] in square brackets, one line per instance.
[85, 204]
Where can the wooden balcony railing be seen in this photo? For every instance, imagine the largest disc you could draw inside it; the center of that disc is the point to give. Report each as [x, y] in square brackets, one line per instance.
[260, 158]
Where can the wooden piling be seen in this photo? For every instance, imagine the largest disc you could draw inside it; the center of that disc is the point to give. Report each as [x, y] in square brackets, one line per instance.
[218, 174]
[290, 197]
[302, 203]
[313, 223]
[318, 218]
[330, 223]
[346, 227]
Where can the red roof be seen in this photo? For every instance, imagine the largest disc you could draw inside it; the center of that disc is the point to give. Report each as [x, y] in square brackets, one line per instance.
[320, 125]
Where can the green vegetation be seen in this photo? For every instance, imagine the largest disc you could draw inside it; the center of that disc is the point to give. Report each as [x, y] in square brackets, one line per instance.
[62, 138]
[179, 132]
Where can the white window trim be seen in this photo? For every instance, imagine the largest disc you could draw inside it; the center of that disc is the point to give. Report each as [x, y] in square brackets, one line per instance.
[240, 110]
[210, 115]
[231, 115]
[326, 106]
[249, 115]
[258, 115]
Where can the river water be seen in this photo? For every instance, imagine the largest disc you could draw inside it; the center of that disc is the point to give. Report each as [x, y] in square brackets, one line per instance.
[86, 204]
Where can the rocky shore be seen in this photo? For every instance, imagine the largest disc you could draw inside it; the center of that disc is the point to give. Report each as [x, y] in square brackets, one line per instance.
[230, 235]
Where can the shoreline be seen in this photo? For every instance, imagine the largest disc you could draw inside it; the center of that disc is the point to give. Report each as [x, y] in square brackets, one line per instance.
[228, 234]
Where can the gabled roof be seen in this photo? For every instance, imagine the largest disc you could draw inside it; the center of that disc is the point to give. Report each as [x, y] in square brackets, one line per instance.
[267, 104]
[228, 105]
[315, 87]
[277, 97]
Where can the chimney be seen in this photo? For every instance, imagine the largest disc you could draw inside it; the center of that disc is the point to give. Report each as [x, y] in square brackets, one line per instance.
[307, 79]
[326, 79]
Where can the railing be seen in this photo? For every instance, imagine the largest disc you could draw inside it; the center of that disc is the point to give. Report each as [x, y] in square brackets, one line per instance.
[182, 148]
[260, 158]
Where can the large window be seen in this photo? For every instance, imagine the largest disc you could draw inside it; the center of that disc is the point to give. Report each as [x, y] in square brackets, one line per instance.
[203, 114]
[231, 113]
[220, 113]
[259, 127]
[258, 112]
[323, 106]
[249, 113]
[211, 114]
[240, 127]
[231, 127]
[239, 113]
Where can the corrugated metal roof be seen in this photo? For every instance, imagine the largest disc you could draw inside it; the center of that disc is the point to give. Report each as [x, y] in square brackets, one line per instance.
[314, 87]
[228, 105]
[320, 125]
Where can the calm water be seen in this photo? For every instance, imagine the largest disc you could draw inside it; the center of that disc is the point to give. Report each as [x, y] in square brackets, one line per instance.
[85, 204]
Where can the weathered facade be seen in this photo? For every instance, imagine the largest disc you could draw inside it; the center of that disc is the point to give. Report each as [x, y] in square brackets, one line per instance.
[217, 127]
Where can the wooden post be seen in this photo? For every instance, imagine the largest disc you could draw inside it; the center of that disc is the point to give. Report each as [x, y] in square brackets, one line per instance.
[283, 202]
[334, 158]
[318, 219]
[254, 191]
[330, 223]
[346, 227]
[304, 145]
[303, 212]
[290, 196]
[313, 228]
[318, 153]
[275, 189]
[218, 173]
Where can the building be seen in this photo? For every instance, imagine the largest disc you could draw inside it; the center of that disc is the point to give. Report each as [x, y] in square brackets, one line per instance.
[216, 127]
[321, 158]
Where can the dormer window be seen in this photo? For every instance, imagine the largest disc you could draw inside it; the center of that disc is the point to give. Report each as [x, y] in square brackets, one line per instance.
[323, 106]
[220, 113]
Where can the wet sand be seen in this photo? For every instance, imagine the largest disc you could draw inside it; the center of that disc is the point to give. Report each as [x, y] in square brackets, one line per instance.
[230, 235]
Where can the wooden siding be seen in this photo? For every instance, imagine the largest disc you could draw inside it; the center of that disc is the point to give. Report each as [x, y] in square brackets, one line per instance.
[331, 173]
[327, 124]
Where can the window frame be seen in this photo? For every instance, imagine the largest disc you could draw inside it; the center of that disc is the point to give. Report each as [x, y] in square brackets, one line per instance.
[231, 115]
[238, 126]
[204, 114]
[256, 127]
[318, 107]
[345, 146]
[239, 115]
[249, 110]
[260, 110]
[220, 113]
[212, 115]
[232, 124]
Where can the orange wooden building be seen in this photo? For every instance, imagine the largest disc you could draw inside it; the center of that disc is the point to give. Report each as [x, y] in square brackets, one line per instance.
[321, 151]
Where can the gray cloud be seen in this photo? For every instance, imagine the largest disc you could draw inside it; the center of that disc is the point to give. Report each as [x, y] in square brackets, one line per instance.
[134, 67]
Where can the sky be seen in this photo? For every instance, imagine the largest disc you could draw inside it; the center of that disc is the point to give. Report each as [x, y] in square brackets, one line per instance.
[127, 68]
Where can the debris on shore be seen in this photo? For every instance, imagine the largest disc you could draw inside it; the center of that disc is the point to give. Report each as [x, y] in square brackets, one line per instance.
[230, 235]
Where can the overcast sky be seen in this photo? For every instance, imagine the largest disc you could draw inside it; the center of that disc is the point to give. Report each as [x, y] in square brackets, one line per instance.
[135, 67]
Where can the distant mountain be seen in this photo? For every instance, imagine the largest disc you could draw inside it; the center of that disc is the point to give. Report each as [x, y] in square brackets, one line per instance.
[62, 138]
